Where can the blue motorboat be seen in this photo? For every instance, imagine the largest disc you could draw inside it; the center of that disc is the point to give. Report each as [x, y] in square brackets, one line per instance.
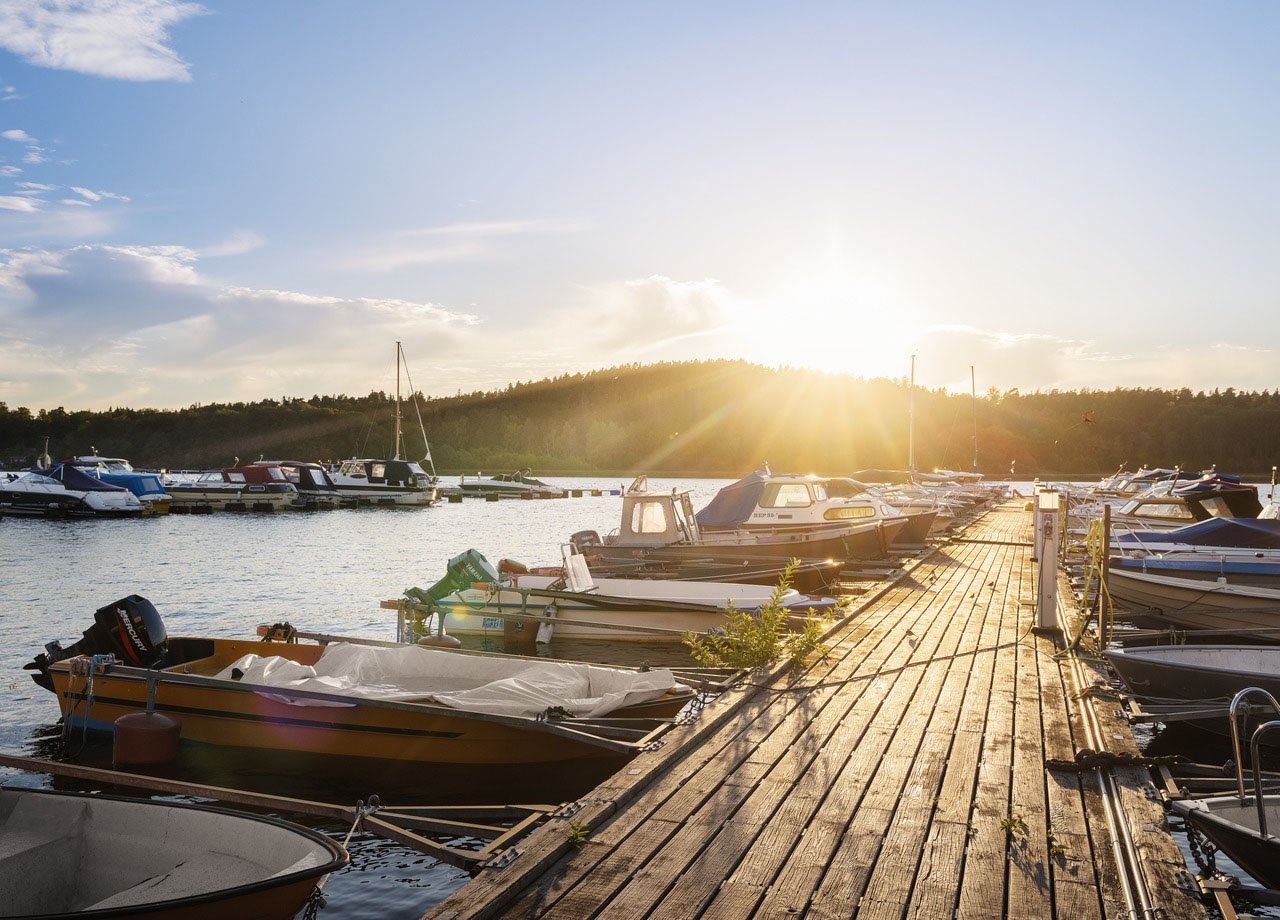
[119, 472]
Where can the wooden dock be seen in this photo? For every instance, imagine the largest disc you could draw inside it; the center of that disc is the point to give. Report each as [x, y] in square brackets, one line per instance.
[904, 775]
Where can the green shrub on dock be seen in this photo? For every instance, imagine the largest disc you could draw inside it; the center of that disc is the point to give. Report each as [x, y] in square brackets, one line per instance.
[753, 639]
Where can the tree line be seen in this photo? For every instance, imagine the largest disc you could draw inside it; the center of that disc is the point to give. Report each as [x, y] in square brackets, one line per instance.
[715, 417]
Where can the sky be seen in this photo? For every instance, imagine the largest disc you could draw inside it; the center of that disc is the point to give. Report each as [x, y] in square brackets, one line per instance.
[218, 201]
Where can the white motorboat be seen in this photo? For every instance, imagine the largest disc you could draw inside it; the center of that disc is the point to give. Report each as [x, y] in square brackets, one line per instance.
[117, 471]
[507, 485]
[64, 490]
[576, 605]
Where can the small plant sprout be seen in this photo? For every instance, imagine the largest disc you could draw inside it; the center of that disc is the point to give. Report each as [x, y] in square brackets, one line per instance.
[1014, 825]
[577, 834]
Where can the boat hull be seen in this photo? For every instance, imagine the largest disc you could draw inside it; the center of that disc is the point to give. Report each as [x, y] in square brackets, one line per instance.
[742, 547]
[1169, 595]
[1234, 829]
[254, 718]
[72, 855]
[1196, 672]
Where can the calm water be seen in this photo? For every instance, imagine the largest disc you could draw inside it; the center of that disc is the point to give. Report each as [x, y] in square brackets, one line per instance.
[223, 574]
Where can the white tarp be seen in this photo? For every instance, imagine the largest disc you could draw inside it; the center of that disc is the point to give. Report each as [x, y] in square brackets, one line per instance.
[501, 686]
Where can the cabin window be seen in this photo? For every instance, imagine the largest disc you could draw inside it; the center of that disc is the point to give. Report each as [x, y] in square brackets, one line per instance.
[275, 473]
[786, 495]
[846, 514]
[235, 477]
[377, 471]
[819, 492]
[648, 517]
[1164, 510]
[1217, 507]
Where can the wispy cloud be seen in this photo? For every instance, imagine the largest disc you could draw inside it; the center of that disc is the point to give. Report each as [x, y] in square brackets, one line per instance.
[119, 39]
[98, 195]
[36, 186]
[10, 171]
[17, 134]
[9, 94]
[237, 244]
[75, 202]
[450, 243]
[19, 203]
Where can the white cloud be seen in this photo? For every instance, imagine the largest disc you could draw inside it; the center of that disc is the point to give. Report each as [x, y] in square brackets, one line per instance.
[17, 134]
[177, 337]
[449, 243]
[10, 170]
[18, 203]
[75, 202]
[99, 195]
[37, 186]
[34, 155]
[119, 39]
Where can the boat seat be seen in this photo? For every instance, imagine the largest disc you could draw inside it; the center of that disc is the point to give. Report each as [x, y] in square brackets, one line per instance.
[201, 874]
[14, 842]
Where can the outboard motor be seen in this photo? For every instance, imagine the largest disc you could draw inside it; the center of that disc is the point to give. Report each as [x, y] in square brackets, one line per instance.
[584, 540]
[130, 628]
[464, 570]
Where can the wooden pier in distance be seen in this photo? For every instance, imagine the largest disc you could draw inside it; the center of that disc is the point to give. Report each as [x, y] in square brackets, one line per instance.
[905, 775]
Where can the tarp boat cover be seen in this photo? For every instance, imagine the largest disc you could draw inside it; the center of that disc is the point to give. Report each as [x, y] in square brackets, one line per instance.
[466, 682]
[735, 503]
[1248, 533]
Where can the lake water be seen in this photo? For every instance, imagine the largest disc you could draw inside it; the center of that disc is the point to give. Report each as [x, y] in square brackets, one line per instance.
[223, 574]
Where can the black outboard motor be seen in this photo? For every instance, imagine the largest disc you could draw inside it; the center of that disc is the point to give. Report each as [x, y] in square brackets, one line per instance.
[130, 628]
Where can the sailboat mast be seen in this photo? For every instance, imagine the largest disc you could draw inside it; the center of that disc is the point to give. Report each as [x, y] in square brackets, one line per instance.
[911, 418]
[973, 390]
[397, 456]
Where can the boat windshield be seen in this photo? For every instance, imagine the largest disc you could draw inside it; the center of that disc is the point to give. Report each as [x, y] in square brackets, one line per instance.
[40, 478]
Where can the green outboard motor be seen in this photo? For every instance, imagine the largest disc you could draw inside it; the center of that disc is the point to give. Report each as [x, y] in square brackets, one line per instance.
[463, 570]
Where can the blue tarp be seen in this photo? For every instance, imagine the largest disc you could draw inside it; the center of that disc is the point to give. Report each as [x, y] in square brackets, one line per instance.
[77, 480]
[1246, 533]
[734, 503]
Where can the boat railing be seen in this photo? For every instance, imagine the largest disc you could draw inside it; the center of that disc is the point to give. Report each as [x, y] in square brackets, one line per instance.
[1237, 702]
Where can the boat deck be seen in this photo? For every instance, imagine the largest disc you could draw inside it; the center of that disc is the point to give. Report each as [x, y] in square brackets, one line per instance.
[904, 775]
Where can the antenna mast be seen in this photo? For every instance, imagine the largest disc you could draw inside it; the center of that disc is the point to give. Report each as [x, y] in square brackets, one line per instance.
[397, 456]
[973, 390]
[911, 418]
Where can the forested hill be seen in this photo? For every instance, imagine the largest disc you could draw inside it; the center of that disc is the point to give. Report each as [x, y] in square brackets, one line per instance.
[724, 417]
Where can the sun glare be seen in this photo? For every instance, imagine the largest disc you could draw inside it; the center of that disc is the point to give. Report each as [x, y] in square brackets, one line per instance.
[831, 322]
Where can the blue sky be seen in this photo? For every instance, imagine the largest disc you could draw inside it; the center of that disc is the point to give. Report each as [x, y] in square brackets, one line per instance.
[236, 200]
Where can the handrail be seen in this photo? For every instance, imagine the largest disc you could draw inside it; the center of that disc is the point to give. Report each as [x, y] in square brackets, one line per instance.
[1235, 733]
[1257, 775]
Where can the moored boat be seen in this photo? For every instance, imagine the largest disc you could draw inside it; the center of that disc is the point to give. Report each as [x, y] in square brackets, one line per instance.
[316, 489]
[63, 490]
[507, 485]
[744, 524]
[119, 472]
[406, 704]
[573, 604]
[67, 855]
[236, 488]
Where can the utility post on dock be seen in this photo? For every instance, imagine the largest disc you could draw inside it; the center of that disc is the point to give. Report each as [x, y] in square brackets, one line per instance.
[1046, 540]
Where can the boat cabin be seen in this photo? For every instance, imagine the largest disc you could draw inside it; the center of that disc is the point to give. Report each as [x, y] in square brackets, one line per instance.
[652, 518]
[308, 477]
[384, 472]
[784, 501]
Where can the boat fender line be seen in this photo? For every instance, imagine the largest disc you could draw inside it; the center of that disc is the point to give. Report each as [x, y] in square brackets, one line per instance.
[1087, 759]
[316, 901]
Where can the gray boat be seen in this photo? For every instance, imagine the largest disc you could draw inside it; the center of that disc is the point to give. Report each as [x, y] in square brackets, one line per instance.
[1196, 673]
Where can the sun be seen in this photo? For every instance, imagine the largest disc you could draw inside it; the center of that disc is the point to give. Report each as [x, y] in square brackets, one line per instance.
[830, 321]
